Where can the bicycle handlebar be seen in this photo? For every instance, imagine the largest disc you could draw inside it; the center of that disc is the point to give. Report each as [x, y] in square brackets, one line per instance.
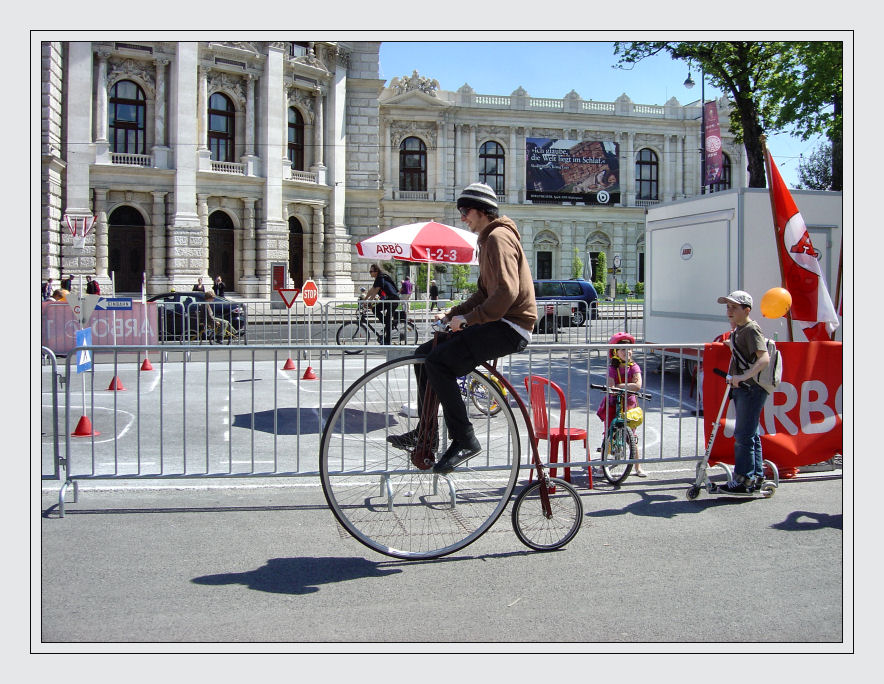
[605, 388]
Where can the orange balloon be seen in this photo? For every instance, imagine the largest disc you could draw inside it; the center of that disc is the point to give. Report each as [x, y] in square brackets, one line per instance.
[775, 302]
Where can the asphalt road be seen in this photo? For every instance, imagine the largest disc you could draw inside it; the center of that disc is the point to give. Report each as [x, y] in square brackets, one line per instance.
[648, 569]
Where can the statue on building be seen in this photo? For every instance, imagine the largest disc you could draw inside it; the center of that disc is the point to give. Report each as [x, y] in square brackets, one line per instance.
[415, 82]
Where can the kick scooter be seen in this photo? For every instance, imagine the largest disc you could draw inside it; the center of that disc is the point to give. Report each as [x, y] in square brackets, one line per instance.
[768, 486]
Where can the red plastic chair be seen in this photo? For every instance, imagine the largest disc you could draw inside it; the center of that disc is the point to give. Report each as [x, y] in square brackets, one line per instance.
[537, 392]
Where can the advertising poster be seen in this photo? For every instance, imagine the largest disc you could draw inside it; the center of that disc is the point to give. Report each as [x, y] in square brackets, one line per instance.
[585, 171]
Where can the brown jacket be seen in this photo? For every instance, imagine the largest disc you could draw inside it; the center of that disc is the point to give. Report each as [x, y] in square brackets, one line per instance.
[506, 286]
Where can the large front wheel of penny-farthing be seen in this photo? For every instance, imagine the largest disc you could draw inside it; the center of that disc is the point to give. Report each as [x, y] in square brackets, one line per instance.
[390, 504]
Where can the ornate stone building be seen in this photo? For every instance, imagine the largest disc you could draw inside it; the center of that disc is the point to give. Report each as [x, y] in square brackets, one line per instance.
[200, 159]
[455, 138]
[204, 159]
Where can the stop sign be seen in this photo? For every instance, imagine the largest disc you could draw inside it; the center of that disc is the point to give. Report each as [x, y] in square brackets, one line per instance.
[309, 293]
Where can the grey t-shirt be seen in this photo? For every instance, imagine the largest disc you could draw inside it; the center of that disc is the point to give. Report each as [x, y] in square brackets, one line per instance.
[748, 340]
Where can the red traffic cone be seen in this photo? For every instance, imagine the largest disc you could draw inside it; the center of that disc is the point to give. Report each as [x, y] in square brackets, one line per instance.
[289, 365]
[116, 385]
[145, 366]
[309, 374]
[84, 428]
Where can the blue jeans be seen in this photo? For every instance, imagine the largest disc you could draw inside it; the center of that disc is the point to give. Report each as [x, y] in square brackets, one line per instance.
[748, 403]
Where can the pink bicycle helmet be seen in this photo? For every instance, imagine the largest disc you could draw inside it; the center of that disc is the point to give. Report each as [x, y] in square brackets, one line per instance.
[621, 338]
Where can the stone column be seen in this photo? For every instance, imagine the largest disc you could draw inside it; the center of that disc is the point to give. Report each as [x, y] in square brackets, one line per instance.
[387, 141]
[158, 250]
[318, 127]
[101, 233]
[184, 228]
[250, 114]
[471, 174]
[512, 189]
[439, 192]
[202, 210]
[627, 170]
[248, 238]
[318, 265]
[101, 99]
[202, 104]
[160, 149]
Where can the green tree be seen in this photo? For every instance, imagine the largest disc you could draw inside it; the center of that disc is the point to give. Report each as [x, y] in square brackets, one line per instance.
[769, 83]
[809, 81]
[460, 276]
[815, 172]
[577, 265]
[600, 274]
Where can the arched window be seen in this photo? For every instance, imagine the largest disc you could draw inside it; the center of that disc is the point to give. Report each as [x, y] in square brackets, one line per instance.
[725, 182]
[646, 175]
[296, 139]
[126, 116]
[413, 164]
[221, 128]
[492, 166]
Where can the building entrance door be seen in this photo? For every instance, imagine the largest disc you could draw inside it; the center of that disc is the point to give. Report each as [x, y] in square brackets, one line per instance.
[221, 249]
[126, 249]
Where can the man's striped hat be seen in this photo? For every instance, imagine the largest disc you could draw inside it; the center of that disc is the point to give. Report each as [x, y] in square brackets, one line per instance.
[477, 196]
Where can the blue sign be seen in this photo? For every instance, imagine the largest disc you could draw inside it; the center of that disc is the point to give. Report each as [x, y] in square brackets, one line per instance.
[84, 356]
[114, 304]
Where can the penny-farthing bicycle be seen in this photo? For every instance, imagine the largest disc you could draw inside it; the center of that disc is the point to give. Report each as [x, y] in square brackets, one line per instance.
[390, 500]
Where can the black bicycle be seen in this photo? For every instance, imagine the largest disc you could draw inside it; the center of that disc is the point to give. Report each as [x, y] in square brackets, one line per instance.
[362, 330]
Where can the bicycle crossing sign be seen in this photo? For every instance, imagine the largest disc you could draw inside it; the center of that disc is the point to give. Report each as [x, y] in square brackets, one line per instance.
[289, 295]
[84, 356]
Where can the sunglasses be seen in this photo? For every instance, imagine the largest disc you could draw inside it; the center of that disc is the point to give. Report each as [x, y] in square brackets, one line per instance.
[464, 210]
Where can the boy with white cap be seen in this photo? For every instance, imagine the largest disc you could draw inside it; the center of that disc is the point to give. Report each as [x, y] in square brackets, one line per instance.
[748, 358]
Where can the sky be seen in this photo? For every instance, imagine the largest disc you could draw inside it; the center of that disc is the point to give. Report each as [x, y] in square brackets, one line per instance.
[553, 69]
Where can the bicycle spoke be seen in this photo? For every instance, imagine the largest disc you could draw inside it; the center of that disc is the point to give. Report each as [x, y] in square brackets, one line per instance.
[382, 499]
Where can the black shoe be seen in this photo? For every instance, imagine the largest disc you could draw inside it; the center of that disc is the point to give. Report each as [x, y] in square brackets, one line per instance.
[409, 440]
[735, 488]
[456, 454]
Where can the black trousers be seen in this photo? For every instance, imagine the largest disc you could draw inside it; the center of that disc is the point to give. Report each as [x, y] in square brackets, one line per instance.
[388, 314]
[455, 355]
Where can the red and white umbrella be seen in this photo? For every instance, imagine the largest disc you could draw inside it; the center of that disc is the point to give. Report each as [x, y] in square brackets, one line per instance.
[427, 242]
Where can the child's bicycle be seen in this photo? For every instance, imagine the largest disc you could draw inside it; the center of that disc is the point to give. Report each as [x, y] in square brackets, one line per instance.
[362, 332]
[619, 445]
[390, 499]
[476, 390]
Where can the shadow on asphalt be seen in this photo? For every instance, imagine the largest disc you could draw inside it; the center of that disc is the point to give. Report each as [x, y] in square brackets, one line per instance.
[299, 575]
[805, 521]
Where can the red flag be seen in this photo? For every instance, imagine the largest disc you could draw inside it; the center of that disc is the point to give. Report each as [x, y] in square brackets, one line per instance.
[812, 306]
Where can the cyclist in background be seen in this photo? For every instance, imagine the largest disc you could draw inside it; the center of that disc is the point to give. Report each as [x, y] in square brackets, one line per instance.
[384, 288]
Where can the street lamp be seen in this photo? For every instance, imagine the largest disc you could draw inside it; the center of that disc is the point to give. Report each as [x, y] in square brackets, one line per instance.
[689, 83]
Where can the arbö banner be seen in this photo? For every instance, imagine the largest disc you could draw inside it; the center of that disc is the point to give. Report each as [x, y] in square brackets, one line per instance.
[802, 419]
[136, 326]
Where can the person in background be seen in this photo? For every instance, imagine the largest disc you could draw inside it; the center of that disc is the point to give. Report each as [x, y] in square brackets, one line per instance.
[66, 283]
[92, 286]
[406, 289]
[220, 325]
[384, 288]
[48, 289]
[434, 295]
[60, 295]
[218, 287]
[199, 287]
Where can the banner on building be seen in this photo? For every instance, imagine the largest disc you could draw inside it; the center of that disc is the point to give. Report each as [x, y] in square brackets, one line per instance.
[585, 171]
[712, 145]
[802, 419]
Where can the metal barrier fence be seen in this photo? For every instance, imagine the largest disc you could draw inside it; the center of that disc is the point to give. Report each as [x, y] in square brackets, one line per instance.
[259, 411]
[263, 322]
